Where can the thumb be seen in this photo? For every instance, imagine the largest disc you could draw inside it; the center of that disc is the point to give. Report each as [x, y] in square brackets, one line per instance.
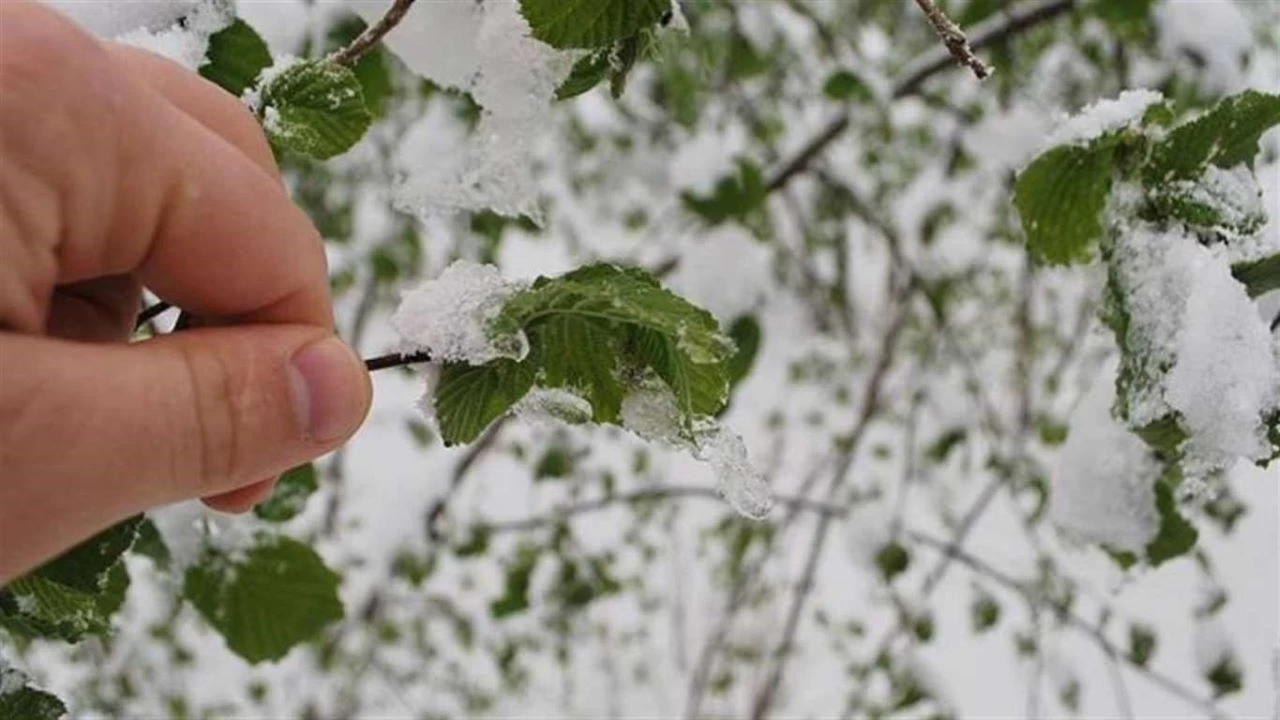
[94, 433]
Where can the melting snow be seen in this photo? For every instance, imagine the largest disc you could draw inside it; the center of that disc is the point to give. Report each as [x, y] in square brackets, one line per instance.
[448, 316]
[1103, 117]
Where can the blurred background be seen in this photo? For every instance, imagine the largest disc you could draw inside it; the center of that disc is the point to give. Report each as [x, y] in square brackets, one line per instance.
[820, 176]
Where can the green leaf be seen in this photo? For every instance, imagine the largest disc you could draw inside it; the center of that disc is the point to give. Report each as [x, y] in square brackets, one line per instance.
[237, 55]
[735, 196]
[290, 495]
[85, 566]
[468, 398]
[515, 597]
[699, 388]
[587, 72]
[373, 69]
[1061, 197]
[746, 335]
[275, 596]
[1142, 644]
[1260, 276]
[1227, 135]
[984, 613]
[315, 108]
[1130, 18]
[579, 354]
[1176, 536]
[151, 544]
[1226, 676]
[590, 24]
[893, 559]
[24, 702]
[844, 85]
[37, 607]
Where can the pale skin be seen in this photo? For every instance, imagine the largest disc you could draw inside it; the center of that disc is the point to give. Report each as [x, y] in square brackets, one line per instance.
[121, 170]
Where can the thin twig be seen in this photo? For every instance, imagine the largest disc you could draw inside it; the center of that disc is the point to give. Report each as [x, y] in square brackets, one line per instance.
[372, 35]
[1063, 610]
[999, 28]
[953, 37]
[391, 360]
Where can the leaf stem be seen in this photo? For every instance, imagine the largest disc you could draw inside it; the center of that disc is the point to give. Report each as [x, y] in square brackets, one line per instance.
[372, 35]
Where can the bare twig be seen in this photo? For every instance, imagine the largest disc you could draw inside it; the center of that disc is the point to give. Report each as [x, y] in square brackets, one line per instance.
[954, 39]
[390, 360]
[1063, 610]
[372, 35]
[1001, 27]
[151, 313]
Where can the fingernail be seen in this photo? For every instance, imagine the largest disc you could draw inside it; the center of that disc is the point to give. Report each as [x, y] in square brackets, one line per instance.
[330, 390]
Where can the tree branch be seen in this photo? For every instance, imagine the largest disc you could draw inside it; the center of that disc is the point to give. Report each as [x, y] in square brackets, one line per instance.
[372, 35]
[1000, 27]
[953, 38]
[151, 313]
[391, 360]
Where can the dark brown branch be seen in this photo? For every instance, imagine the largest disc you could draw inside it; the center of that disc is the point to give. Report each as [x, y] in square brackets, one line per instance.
[999, 28]
[954, 39]
[372, 35]
[391, 360]
[151, 313]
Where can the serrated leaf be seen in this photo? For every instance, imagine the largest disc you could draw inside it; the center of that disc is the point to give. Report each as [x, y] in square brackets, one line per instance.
[1259, 276]
[20, 701]
[315, 108]
[373, 69]
[85, 566]
[1227, 135]
[37, 607]
[590, 24]
[277, 595]
[699, 388]
[579, 354]
[1061, 197]
[468, 398]
[237, 55]
[290, 495]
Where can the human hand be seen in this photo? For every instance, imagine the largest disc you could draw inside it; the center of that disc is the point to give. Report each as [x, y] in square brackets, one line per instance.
[119, 170]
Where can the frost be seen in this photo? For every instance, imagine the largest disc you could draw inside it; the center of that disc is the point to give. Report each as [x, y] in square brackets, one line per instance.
[650, 411]
[1103, 117]
[448, 317]
[1104, 483]
[486, 50]
[555, 404]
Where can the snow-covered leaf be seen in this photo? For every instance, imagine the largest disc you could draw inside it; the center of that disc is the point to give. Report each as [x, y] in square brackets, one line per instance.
[276, 595]
[85, 567]
[590, 23]
[1259, 276]
[314, 108]
[1225, 136]
[20, 701]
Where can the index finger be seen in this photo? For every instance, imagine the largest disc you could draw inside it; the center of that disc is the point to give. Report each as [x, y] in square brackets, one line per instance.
[140, 186]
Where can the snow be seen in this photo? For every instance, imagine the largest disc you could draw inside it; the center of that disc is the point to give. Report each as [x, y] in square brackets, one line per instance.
[649, 410]
[1212, 647]
[1102, 117]
[553, 404]
[739, 481]
[486, 50]
[1227, 377]
[700, 277]
[176, 29]
[448, 317]
[1211, 36]
[11, 679]
[1200, 346]
[1104, 483]
[181, 528]
[1237, 198]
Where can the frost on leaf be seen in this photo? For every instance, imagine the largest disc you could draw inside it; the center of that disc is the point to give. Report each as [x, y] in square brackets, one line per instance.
[1104, 483]
[449, 316]
[19, 700]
